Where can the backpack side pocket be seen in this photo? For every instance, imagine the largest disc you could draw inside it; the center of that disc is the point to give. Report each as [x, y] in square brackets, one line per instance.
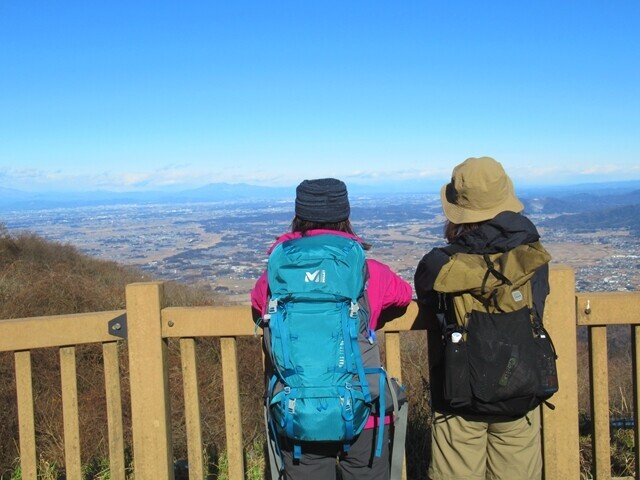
[546, 358]
[457, 386]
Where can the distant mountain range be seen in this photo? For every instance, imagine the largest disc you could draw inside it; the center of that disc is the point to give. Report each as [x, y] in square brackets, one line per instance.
[590, 210]
[11, 199]
[552, 200]
[581, 201]
[626, 217]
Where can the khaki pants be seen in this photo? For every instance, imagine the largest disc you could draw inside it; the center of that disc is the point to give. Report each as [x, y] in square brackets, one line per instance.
[464, 449]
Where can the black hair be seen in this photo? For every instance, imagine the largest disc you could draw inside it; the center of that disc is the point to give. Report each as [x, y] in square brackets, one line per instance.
[303, 226]
[453, 231]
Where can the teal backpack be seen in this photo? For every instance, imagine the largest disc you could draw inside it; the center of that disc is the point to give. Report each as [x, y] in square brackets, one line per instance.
[313, 330]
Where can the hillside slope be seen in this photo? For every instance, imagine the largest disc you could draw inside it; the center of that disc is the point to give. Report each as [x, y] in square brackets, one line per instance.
[625, 217]
[40, 278]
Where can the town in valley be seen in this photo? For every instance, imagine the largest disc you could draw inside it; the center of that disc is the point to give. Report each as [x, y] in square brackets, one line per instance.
[224, 244]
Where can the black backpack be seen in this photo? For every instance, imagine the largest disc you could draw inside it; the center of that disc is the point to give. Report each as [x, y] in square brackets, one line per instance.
[498, 359]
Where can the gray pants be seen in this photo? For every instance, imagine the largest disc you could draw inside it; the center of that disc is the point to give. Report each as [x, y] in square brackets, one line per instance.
[325, 461]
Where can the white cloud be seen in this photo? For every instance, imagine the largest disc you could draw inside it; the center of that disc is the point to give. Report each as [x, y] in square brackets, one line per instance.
[573, 173]
[171, 176]
[364, 176]
[608, 169]
[184, 176]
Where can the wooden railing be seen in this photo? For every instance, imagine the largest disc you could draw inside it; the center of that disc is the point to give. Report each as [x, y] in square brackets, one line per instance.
[596, 311]
[147, 328]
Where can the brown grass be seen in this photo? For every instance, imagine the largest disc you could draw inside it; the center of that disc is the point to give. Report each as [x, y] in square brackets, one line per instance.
[39, 277]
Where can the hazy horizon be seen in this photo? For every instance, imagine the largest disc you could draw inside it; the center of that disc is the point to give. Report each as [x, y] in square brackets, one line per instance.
[409, 186]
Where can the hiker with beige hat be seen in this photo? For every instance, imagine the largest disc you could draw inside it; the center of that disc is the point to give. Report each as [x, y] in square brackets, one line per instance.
[486, 419]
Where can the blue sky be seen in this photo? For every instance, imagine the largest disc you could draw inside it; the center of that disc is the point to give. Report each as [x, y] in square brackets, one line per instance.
[168, 95]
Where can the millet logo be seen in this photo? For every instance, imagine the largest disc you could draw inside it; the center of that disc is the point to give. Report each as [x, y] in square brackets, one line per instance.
[508, 372]
[318, 276]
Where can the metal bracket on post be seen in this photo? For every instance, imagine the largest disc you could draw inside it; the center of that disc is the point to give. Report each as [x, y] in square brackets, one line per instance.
[118, 326]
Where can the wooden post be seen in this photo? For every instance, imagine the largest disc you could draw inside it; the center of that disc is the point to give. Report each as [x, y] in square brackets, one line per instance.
[73, 467]
[192, 408]
[560, 426]
[114, 410]
[393, 363]
[150, 408]
[635, 347]
[600, 434]
[233, 421]
[26, 423]
[392, 354]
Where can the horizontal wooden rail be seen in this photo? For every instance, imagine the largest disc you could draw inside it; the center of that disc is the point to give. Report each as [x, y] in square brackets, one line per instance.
[235, 321]
[608, 308]
[56, 331]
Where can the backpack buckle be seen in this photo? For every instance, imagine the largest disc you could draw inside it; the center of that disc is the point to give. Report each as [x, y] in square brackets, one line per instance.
[273, 305]
[354, 309]
[271, 309]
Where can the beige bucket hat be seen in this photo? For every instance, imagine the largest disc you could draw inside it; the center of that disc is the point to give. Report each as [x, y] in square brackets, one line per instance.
[479, 190]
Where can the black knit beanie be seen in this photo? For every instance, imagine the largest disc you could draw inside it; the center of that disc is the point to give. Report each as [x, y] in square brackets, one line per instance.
[324, 200]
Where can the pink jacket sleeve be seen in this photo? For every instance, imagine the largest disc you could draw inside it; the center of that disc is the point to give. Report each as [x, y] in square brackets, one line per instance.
[384, 289]
[259, 293]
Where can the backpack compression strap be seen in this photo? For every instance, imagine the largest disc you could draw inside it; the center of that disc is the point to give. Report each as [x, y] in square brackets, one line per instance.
[399, 434]
[382, 407]
[491, 270]
[350, 326]
[276, 462]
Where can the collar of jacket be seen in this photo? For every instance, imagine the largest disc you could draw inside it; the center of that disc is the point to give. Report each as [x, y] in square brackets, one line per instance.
[504, 232]
[310, 233]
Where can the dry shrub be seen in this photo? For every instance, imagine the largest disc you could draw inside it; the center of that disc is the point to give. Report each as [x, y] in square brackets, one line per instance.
[415, 375]
[8, 413]
[40, 278]
[48, 278]
[619, 366]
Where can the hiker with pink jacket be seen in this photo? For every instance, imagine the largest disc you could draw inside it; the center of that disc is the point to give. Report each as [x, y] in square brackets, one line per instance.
[322, 210]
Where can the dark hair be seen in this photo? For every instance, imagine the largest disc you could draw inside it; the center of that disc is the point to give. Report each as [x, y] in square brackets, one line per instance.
[303, 226]
[453, 231]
